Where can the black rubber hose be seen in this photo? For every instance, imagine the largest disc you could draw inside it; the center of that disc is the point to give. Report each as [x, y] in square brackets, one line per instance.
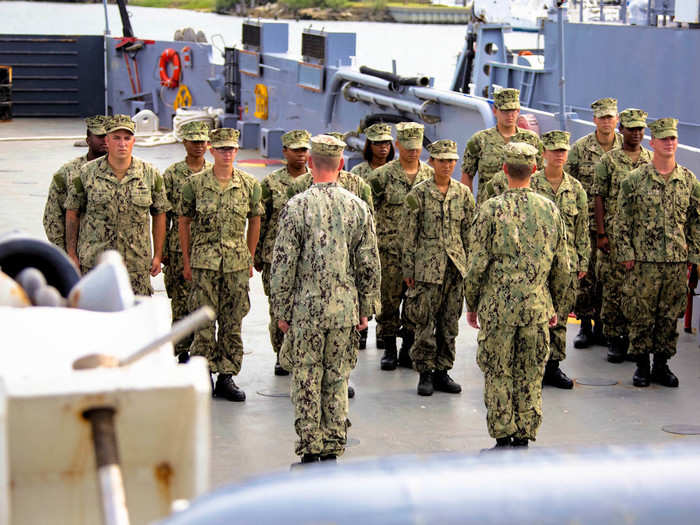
[391, 77]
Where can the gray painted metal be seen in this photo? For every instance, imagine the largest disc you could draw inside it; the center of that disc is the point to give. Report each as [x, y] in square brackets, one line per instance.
[646, 485]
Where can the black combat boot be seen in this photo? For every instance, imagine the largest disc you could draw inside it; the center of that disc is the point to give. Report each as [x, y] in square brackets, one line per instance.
[279, 369]
[226, 388]
[616, 349]
[519, 442]
[425, 384]
[310, 458]
[389, 358]
[351, 391]
[584, 339]
[379, 341]
[501, 444]
[363, 339]
[442, 382]
[642, 375]
[554, 376]
[183, 357]
[661, 373]
[330, 458]
[405, 353]
[598, 336]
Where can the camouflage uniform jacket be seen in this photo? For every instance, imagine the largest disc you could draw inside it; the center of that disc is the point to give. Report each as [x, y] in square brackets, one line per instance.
[584, 155]
[389, 189]
[497, 185]
[54, 211]
[116, 212]
[658, 221]
[350, 181]
[174, 178]
[572, 203]
[436, 229]
[275, 189]
[219, 214]
[484, 152]
[362, 169]
[613, 167]
[325, 266]
[518, 269]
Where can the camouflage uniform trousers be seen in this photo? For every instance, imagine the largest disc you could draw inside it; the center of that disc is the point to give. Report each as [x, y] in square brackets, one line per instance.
[434, 309]
[589, 297]
[613, 275]
[179, 292]
[393, 292]
[513, 360]
[227, 293]
[654, 298]
[140, 282]
[557, 334]
[321, 362]
[276, 335]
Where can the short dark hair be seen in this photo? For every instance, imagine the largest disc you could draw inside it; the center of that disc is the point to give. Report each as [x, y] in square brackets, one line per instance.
[519, 171]
[325, 163]
[367, 152]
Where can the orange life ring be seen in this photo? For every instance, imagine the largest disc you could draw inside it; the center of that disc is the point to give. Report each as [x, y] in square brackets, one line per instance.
[168, 56]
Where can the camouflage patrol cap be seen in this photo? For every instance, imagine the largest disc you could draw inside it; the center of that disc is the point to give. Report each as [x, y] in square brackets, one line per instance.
[224, 138]
[410, 135]
[520, 154]
[508, 98]
[337, 135]
[633, 118]
[327, 146]
[197, 130]
[557, 139]
[379, 132]
[118, 122]
[605, 107]
[443, 149]
[96, 124]
[296, 139]
[664, 127]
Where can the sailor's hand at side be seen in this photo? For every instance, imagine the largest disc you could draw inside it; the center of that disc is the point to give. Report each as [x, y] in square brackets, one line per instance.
[472, 320]
[155, 266]
[553, 321]
[283, 325]
[362, 325]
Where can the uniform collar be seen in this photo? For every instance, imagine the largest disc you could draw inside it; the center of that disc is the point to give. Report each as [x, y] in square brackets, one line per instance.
[213, 184]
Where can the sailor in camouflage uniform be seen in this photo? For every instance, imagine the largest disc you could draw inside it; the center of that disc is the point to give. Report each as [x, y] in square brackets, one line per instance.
[612, 169]
[390, 185]
[217, 254]
[438, 214]
[657, 233]
[195, 138]
[484, 150]
[275, 189]
[517, 277]
[583, 158]
[570, 197]
[378, 149]
[114, 195]
[55, 211]
[324, 283]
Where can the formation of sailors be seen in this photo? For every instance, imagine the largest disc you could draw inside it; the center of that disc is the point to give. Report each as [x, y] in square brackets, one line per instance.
[603, 227]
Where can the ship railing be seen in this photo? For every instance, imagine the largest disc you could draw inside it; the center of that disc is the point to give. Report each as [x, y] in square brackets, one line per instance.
[517, 76]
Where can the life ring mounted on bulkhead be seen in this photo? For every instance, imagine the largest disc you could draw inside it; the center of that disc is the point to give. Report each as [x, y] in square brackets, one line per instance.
[170, 56]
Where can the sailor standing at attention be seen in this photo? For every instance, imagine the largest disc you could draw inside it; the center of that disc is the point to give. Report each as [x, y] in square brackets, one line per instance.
[324, 283]
[55, 211]
[438, 214]
[115, 194]
[195, 139]
[484, 150]
[517, 278]
[657, 234]
[217, 254]
[390, 185]
[612, 169]
[275, 188]
[581, 164]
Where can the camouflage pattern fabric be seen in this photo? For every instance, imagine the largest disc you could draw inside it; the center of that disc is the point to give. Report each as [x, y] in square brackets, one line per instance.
[363, 169]
[390, 185]
[54, 211]
[325, 265]
[614, 166]
[116, 213]
[321, 364]
[497, 185]
[179, 291]
[557, 334]
[433, 309]
[219, 216]
[484, 154]
[347, 180]
[227, 294]
[513, 360]
[276, 335]
[518, 275]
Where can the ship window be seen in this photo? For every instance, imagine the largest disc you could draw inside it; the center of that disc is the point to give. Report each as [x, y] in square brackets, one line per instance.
[491, 48]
